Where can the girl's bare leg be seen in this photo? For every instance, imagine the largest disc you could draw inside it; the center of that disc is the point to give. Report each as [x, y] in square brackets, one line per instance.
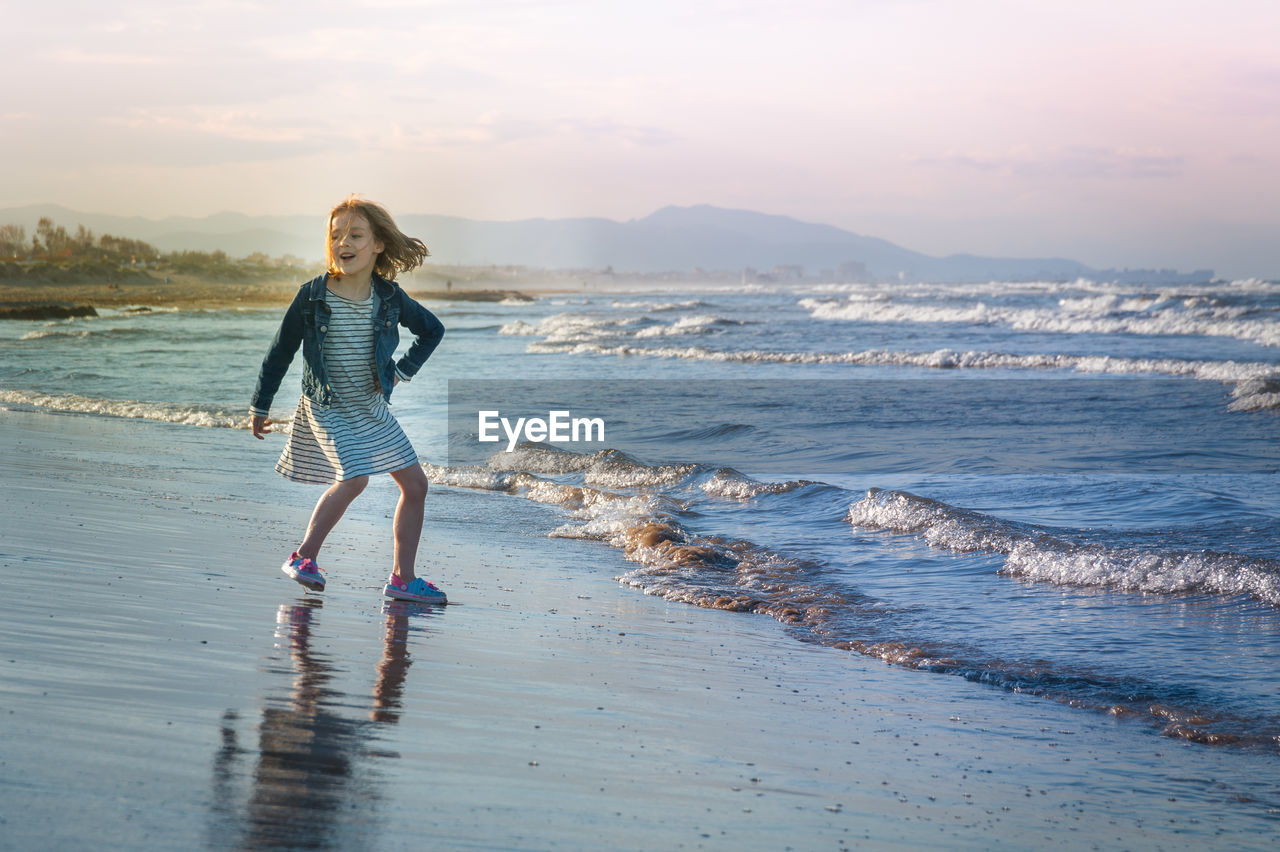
[329, 509]
[408, 523]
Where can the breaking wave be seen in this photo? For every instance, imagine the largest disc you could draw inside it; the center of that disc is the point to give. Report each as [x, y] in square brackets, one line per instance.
[80, 332]
[652, 529]
[1037, 554]
[567, 328]
[657, 307]
[1192, 312]
[1256, 383]
[165, 412]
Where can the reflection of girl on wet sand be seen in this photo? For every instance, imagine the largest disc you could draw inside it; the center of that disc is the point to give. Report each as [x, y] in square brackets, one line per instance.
[394, 665]
[308, 759]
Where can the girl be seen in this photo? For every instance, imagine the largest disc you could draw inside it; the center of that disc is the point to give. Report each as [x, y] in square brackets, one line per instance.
[347, 322]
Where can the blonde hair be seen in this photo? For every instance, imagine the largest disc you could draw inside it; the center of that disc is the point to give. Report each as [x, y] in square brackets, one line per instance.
[400, 252]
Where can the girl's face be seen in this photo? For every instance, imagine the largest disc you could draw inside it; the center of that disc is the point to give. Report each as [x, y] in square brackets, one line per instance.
[352, 244]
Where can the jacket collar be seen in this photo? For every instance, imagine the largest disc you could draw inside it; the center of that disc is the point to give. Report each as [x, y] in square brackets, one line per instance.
[319, 287]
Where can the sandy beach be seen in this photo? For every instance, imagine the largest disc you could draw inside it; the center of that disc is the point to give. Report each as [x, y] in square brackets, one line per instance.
[165, 686]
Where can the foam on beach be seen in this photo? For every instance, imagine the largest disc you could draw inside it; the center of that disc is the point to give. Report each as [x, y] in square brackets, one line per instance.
[1182, 311]
[187, 414]
[1251, 380]
[1037, 554]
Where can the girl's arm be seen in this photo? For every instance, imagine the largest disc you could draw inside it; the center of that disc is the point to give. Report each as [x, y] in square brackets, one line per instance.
[276, 363]
[427, 331]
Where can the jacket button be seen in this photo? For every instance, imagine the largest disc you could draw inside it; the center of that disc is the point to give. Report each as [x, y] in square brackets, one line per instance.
[323, 329]
[388, 324]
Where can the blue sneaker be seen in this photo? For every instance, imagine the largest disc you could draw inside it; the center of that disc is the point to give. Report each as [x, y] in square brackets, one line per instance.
[305, 571]
[419, 590]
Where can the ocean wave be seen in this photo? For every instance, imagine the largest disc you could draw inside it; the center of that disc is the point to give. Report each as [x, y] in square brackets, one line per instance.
[730, 484]
[80, 332]
[577, 328]
[658, 307]
[612, 469]
[704, 324]
[705, 433]
[1037, 554]
[1257, 383]
[165, 412]
[1163, 313]
[605, 468]
[673, 562]
[1255, 393]
[568, 326]
[1256, 287]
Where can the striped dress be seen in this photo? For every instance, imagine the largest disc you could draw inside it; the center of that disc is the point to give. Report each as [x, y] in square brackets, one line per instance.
[356, 435]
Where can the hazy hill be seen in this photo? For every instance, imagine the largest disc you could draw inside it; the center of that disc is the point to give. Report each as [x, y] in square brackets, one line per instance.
[671, 239]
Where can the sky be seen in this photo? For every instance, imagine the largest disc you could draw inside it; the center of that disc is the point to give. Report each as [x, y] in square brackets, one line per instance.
[1128, 133]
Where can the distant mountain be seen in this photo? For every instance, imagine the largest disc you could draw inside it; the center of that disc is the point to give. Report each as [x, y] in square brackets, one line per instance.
[673, 239]
[235, 233]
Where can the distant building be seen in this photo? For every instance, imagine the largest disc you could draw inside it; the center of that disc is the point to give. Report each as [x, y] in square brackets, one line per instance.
[787, 272]
[852, 271]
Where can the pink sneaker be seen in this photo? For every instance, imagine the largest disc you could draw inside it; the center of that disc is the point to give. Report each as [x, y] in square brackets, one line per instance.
[305, 571]
[418, 590]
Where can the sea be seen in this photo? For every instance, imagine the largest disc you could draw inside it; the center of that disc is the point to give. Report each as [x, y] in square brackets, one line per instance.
[1060, 489]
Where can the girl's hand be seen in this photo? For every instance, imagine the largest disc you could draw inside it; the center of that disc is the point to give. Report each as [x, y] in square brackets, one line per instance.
[260, 426]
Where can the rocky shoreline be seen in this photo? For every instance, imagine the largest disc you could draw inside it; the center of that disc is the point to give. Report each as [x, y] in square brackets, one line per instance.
[46, 311]
[28, 300]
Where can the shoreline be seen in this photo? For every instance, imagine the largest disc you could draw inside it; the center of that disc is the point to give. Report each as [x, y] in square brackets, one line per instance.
[455, 284]
[53, 301]
[161, 672]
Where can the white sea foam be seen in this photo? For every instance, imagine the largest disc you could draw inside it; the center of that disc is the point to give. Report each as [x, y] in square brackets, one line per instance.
[581, 334]
[1256, 392]
[479, 478]
[603, 469]
[687, 325]
[78, 331]
[597, 514]
[165, 412]
[47, 333]
[991, 289]
[730, 484]
[570, 326]
[609, 517]
[1228, 372]
[1133, 569]
[1038, 555]
[1170, 312]
[518, 327]
[657, 307]
[581, 328]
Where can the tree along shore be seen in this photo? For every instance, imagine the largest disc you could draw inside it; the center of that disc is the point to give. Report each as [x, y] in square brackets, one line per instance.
[56, 270]
[58, 267]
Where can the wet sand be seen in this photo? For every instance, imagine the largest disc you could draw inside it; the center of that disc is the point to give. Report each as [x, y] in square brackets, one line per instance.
[163, 685]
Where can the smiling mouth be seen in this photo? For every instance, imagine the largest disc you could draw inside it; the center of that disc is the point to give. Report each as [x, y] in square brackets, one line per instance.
[346, 255]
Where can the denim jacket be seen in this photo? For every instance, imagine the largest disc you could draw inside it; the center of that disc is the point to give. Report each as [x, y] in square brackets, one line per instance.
[306, 322]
